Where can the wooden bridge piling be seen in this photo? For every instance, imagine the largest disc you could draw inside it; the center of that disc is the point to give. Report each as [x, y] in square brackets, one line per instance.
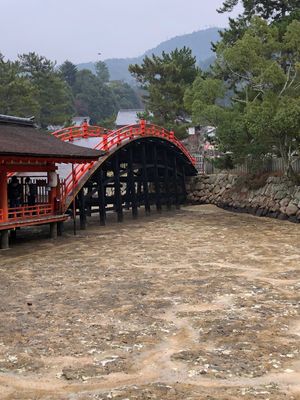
[145, 179]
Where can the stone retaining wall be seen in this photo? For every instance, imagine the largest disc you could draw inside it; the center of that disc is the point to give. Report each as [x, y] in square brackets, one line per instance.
[277, 198]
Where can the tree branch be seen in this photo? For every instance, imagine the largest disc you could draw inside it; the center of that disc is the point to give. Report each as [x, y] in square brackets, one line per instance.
[237, 74]
[293, 79]
[287, 81]
[240, 100]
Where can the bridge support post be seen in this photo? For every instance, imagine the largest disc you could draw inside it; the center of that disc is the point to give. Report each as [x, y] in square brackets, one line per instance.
[82, 212]
[53, 230]
[89, 195]
[183, 184]
[13, 235]
[131, 185]
[60, 228]
[145, 179]
[175, 183]
[166, 178]
[4, 240]
[156, 180]
[102, 197]
[118, 197]
[139, 190]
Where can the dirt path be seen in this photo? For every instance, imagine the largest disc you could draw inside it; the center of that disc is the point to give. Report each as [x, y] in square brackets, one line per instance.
[193, 304]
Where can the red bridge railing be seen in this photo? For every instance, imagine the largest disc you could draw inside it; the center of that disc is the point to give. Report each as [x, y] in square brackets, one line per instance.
[79, 132]
[27, 212]
[17, 214]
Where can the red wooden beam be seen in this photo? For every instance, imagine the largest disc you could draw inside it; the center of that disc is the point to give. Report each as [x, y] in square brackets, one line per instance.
[43, 160]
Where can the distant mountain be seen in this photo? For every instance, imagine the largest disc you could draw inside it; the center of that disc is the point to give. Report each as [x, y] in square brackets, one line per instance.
[199, 42]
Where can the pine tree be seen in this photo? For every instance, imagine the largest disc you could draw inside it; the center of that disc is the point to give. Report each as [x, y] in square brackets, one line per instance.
[68, 72]
[280, 12]
[51, 93]
[17, 94]
[165, 78]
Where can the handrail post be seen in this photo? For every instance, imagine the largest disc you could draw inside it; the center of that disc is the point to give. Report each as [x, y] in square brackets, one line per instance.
[172, 136]
[71, 135]
[105, 142]
[143, 126]
[85, 129]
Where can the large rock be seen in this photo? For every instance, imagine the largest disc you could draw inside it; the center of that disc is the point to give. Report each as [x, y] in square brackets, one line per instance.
[284, 202]
[216, 189]
[297, 195]
[200, 185]
[280, 195]
[291, 209]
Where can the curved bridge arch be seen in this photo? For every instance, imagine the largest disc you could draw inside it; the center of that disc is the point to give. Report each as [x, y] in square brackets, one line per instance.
[144, 164]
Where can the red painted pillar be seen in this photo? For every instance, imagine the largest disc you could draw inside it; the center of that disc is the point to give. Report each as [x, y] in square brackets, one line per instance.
[3, 194]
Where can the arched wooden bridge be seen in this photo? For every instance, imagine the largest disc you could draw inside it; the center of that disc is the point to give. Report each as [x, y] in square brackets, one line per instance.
[142, 165]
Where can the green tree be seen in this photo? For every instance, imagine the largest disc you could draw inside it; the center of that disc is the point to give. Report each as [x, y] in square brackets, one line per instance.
[102, 72]
[262, 69]
[280, 12]
[68, 72]
[93, 97]
[51, 93]
[266, 9]
[124, 94]
[165, 78]
[17, 94]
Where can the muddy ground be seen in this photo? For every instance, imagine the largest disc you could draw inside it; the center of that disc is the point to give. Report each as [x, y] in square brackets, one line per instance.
[192, 304]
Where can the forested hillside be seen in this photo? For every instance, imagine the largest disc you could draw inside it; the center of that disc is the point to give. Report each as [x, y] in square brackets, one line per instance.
[199, 42]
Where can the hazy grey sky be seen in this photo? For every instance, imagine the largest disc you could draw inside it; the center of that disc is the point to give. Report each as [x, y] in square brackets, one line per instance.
[79, 29]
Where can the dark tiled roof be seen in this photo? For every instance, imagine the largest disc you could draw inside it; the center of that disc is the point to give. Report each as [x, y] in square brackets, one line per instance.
[17, 120]
[19, 139]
